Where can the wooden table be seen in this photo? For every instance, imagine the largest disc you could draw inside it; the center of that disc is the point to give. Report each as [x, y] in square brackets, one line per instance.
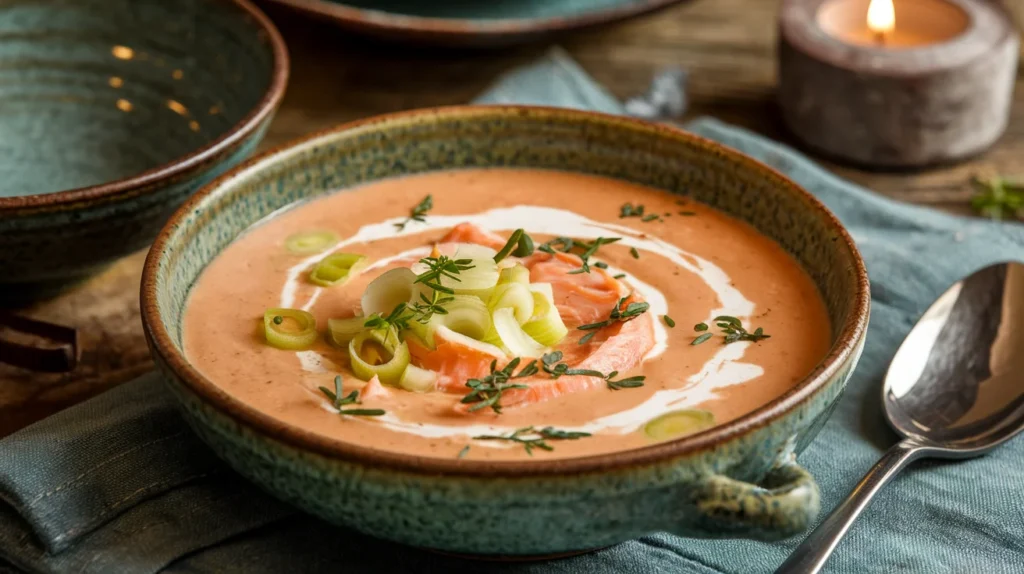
[727, 46]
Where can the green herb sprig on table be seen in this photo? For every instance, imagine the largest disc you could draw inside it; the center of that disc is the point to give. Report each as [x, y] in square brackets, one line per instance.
[351, 399]
[418, 212]
[732, 328]
[617, 314]
[487, 392]
[532, 438]
[998, 198]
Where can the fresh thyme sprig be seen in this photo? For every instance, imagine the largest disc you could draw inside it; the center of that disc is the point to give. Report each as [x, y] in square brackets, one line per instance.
[558, 244]
[418, 212]
[589, 250]
[998, 198]
[487, 392]
[442, 266]
[617, 314]
[532, 438]
[732, 328]
[350, 399]
[630, 210]
[551, 363]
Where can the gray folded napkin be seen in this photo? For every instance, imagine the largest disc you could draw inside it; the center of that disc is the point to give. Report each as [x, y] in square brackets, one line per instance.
[119, 483]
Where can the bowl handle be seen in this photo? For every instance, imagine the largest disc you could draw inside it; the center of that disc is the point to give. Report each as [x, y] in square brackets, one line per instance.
[785, 503]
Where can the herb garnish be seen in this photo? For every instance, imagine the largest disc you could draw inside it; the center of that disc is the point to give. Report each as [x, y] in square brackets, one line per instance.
[532, 438]
[351, 399]
[628, 210]
[589, 248]
[552, 365]
[442, 266]
[418, 212]
[619, 276]
[634, 253]
[733, 330]
[463, 452]
[998, 198]
[520, 241]
[486, 392]
[650, 217]
[617, 314]
[669, 321]
[278, 319]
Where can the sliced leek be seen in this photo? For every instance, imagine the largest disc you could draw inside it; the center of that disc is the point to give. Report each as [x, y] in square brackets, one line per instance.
[474, 251]
[418, 380]
[341, 331]
[289, 329]
[516, 273]
[479, 280]
[309, 242]
[678, 424]
[380, 354]
[389, 290]
[512, 336]
[546, 326]
[337, 268]
[515, 296]
[464, 314]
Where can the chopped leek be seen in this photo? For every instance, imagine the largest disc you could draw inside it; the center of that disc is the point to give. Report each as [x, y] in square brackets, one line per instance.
[516, 273]
[289, 329]
[309, 242]
[378, 353]
[389, 290]
[418, 380]
[678, 424]
[341, 331]
[474, 251]
[337, 268]
[512, 336]
[546, 326]
[478, 280]
[515, 296]
[464, 314]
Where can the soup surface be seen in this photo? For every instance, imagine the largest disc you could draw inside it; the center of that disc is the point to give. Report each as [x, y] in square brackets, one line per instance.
[689, 317]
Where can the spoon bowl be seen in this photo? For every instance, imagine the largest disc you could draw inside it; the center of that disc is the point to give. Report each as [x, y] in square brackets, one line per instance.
[953, 390]
[954, 385]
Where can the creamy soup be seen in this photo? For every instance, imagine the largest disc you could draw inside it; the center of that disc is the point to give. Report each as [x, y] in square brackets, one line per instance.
[622, 316]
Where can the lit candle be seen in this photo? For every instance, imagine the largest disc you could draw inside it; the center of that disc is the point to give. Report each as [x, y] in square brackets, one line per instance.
[908, 24]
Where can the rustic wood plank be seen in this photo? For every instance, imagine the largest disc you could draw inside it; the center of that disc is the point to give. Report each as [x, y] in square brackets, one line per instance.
[727, 46]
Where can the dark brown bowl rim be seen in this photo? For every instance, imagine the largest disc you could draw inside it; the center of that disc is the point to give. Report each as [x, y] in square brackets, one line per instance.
[843, 351]
[395, 25]
[193, 160]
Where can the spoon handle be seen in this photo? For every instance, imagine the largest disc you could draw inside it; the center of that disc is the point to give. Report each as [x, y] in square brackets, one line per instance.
[810, 556]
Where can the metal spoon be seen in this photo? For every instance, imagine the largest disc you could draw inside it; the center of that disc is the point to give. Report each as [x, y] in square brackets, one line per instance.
[955, 389]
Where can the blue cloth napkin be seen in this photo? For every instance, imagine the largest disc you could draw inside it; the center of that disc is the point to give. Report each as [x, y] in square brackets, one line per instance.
[119, 484]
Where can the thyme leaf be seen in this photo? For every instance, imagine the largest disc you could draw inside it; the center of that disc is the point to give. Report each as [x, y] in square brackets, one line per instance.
[418, 212]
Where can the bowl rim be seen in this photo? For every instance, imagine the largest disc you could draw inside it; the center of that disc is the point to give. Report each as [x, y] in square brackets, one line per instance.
[844, 350]
[464, 30]
[180, 166]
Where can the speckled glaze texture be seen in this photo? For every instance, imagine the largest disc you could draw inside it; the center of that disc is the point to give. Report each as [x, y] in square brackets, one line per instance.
[112, 113]
[738, 479]
[471, 22]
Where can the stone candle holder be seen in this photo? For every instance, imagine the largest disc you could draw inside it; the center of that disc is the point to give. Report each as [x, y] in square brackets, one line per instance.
[938, 90]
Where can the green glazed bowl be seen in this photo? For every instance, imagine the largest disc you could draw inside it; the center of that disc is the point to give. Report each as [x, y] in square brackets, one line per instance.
[739, 479]
[113, 112]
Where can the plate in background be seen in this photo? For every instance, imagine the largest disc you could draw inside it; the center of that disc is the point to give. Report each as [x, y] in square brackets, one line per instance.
[471, 22]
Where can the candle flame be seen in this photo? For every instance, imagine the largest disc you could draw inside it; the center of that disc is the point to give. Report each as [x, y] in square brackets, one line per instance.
[881, 16]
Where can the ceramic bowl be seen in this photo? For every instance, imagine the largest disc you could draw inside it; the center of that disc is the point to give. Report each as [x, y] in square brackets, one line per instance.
[471, 23]
[737, 479]
[112, 112]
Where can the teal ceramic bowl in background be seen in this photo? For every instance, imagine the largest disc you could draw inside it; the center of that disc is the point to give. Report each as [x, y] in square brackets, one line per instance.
[739, 479]
[112, 112]
[471, 23]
